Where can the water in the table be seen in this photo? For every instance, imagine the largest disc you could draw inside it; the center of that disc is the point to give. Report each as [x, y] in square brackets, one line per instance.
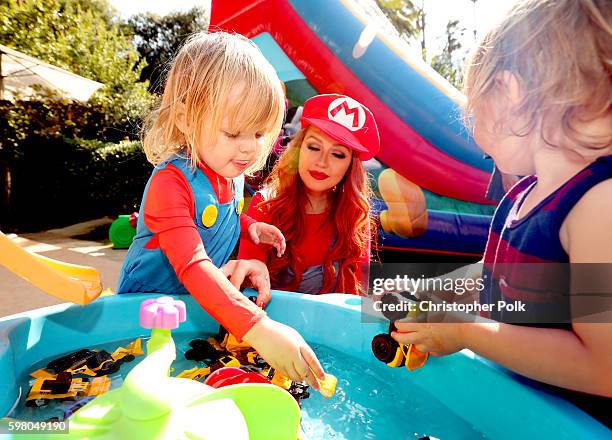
[372, 401]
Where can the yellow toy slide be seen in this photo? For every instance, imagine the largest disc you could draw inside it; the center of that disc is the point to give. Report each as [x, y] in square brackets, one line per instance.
[70, 282]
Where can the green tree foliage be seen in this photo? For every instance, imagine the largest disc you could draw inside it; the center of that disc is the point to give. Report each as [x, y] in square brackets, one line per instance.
[406, 17]
[444, 63]
[409, 20]
[84, 37]
[158, 38]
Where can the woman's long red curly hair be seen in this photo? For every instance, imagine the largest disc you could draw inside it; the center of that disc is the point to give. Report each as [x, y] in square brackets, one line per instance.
[285, 200]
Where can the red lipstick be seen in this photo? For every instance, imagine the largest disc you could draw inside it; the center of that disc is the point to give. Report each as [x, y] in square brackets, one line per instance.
[318, 175]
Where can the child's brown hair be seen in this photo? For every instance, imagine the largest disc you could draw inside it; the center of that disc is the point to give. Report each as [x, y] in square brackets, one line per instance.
[561, 53]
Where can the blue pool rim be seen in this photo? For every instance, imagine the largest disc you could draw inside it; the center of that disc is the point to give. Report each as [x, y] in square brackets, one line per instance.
[486, 396]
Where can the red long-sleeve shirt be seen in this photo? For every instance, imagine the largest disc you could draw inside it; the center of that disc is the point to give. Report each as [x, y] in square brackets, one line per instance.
[169, 212]
[313, 248]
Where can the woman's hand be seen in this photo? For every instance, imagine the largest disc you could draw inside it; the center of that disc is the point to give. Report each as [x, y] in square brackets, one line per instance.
[285, 350]
[257, 274]
[264, 233]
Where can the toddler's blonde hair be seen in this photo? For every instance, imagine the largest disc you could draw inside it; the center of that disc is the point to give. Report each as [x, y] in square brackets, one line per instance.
[561, 53]
[203, 74]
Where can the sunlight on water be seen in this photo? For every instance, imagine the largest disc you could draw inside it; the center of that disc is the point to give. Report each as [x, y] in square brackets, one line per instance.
[368, 405]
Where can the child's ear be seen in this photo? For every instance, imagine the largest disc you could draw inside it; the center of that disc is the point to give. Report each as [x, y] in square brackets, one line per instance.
[509, 86]
[181, 118]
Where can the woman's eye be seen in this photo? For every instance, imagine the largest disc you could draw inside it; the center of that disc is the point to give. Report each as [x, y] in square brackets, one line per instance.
[231, 135]
[312, 147]
[339, 155]
[259, 135]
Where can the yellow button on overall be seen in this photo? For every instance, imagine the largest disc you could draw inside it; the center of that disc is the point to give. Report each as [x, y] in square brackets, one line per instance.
[240, 206]
[209, 216]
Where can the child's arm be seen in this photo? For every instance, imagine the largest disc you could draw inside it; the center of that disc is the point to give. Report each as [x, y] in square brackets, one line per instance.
[260, 232]
[169, 213]
[264, 233]
[257, 273]
[580, 359]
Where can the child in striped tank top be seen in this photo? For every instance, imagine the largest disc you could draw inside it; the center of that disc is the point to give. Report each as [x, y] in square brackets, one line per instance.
[539, 88]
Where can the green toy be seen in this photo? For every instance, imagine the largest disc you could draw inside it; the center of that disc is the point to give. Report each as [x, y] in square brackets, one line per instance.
[151, 405]
[122, 232]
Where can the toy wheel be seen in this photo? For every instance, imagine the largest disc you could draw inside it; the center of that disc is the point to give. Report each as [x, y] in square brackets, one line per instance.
[194, 354]
[129, 358]
[395, 301]
[201, 351]
[37, 403]
[250, 368]
[260, 362]
[198, 343]
[108, 368]
[222, 333]
[384, 347]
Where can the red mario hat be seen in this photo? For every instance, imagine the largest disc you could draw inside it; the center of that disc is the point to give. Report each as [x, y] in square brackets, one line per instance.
[345, 120]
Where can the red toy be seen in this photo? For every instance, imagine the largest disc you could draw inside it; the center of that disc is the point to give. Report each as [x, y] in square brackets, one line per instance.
[232, 375]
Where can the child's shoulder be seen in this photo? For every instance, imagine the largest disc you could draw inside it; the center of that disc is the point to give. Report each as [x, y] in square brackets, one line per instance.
[596, 196]
[585, 233]
[596, 201]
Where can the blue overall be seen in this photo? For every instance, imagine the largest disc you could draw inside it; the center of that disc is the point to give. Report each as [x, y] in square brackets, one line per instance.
[148, 270]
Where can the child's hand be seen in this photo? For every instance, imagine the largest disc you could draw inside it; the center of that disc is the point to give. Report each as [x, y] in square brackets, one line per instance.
[257, 273]
[439, 339]
[285, 349]
[264, 233]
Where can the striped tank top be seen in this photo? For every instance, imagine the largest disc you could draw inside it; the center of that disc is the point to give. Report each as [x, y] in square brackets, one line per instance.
[525, 261]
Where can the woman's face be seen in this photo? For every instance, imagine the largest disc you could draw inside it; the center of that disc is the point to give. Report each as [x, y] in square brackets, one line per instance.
[323, 161]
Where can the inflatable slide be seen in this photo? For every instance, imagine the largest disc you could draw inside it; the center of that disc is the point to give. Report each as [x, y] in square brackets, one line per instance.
[430, 177]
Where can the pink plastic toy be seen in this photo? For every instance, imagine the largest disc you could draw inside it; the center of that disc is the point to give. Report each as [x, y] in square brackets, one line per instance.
[163, 312]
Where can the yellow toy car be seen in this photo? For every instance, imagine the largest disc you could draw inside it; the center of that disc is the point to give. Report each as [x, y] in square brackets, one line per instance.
[242, 356]
[201, 373]
[394, 354]
[63, 387]
[91, 362]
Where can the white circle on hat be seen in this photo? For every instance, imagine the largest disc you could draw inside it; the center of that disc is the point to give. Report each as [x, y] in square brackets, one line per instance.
[347, 112]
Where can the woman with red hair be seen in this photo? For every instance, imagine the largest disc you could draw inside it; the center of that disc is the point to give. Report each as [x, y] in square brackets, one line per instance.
[317, 195]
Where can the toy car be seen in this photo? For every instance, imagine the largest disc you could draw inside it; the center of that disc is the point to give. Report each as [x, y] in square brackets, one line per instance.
[201, 373]
[63, 386]
[129, 353]
[299, 391]
[195, 373]
[225, 351]
[394, 354]
[202, 350]
[229, 342]
[91, 362]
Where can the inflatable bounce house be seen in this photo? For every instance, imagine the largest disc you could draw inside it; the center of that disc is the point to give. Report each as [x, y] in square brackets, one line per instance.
[430, 178]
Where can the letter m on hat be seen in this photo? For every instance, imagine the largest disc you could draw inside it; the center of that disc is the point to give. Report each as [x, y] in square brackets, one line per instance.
[347, 112]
